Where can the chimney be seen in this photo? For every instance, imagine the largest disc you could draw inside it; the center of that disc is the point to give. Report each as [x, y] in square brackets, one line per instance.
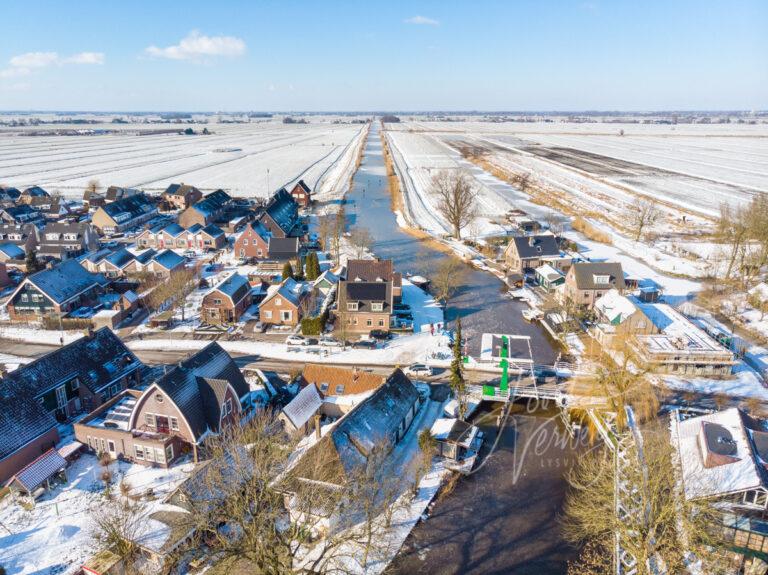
[317, 426]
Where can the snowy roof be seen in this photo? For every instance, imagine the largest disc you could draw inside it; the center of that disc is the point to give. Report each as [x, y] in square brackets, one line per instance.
[283, 210]
[211, 229]
[615, 307]
[451, 430]
[235, 287]
[333, 381]
[146, 255]
[197, 386]
[120, 258]
[169, 259]
[180, 189]
[96, 361]
[549, 273]
[677, 333]
[35, 191]
[173, 229]
[22, 418]
[212, 203]
[721, 474]
[41, 469]
[118, 415]
[289, 289]
[302, 407]
[370, 424]
[194, 228]
[13, 251]
[327, 276]
[128, 208]
[301, 184]
[65, 281]
[529, 247]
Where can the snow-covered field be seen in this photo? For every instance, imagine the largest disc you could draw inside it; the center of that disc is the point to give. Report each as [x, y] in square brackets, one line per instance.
[245, 159]
[696, 167]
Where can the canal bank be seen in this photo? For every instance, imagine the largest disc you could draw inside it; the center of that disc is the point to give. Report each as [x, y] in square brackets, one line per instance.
[480, 301]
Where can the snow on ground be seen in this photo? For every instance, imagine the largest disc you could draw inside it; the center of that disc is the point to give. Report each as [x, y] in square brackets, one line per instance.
[423, 306]
[56, 536]
[744, 383]
[245, 159]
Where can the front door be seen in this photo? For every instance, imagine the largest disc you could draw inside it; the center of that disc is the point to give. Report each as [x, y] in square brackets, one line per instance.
[111, 449]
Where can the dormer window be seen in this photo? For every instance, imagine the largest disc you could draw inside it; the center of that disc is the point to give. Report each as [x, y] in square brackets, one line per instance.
[352, 306]
[340, 389]
[377, 306]
[601, 279]
[324, 387]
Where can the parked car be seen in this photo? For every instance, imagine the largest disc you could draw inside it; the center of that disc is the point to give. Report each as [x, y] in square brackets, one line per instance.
[380, 334]
[330, 342]
[190, 253]
[365, 344]
[296, 340]
[418, 369]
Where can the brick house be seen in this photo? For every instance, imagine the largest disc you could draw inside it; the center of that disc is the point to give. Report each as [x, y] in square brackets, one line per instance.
[225, 303]
[62, 240]
[32, 192]
[281, 216]
[526, 253]
[253, 242]
[283, 303]
[302, 194]
[376, 270]
[206, 211]
[55, 290]
[586, 282]
[79, 376]
[27, 429]
[367, 295]
[26, 236]
[198, 397]
[181, 196]
[172, 235]
[121, 215]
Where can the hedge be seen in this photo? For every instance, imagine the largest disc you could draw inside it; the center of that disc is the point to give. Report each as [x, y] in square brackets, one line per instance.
[314, 325]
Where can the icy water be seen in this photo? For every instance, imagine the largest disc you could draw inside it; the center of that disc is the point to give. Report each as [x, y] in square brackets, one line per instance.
[479, 302]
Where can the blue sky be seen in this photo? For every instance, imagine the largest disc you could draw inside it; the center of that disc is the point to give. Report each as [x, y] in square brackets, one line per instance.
[365, 55]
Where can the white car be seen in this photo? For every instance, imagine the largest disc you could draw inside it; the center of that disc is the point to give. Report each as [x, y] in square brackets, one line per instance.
[418, 369]
[295, 340]
[330, 342]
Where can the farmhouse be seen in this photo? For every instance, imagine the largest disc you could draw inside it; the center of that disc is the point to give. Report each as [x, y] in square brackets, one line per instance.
[226, 302]
[281, 216]
[340, 388]
[199, 397]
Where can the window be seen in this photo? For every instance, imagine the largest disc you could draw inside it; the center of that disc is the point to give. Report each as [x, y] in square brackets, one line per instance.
[174, 424]
[377, 306]
[138, 451]
[169, 453]
[278, 301]
[324, 387]
[217, 301]
[149, 454]
[601, 279]
[245, 242]
[267, 314]
[24, 297]
[229, 406]
[149, 418]
[352, 306]
[75, 384]
[111, 446]
[286, 315]
[159, 455]
[340, 389]
[381, 323]
[226, 408]
[159, 397]
[369, 322]
[115, 388]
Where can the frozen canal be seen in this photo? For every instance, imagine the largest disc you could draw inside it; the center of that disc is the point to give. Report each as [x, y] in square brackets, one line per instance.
[479, 302]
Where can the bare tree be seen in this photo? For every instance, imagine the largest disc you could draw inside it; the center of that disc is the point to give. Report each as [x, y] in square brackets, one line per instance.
[759, 303]
[361, 239]
[92, 187]
[733, 230]
[662, 526]
[457, 198]
[555, 222]
[174, 292]
[325, 227]
[117, 525]
[643, 213]
[449, 275]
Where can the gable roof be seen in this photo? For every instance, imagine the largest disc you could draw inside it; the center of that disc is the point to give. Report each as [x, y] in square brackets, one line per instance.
[96, 361]
[289, 289]
[118, 192]
[615, 307]
[179, 189]
[128, 208]
[212, 203]
[585, 272]
[302, 407]
[211, 229]
[35, 192]
[283, 210]
[301, 184]
[235, 287]
[373, 423]
[120, 258]
[354, 381]
[283, 248]
[22, 418]
[169, 259]
[529, 247]
[64, 281]
[327, 276]
[173, 229]
[369, 270]
[197, 386]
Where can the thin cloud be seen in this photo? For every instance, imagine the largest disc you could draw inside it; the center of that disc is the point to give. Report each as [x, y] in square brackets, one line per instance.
[197, 46]
[422, 20]
[24, 64]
